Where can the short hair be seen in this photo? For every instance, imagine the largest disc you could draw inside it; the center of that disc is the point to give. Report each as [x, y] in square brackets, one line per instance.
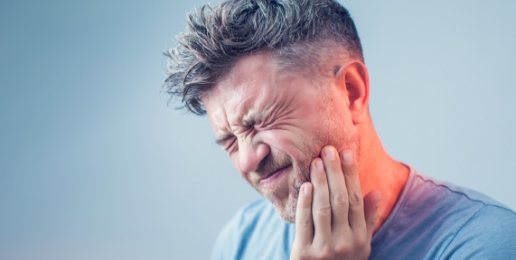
[217, 37]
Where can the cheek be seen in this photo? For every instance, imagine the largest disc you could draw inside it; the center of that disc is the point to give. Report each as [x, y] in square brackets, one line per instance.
[298, 145]
[278, 140]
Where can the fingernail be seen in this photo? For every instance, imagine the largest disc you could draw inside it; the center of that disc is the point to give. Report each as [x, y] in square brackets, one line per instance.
[329, 153]
[306, 189]
[317, 164]
[347, 157]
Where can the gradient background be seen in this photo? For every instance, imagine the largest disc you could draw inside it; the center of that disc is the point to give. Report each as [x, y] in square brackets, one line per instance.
[95, 165]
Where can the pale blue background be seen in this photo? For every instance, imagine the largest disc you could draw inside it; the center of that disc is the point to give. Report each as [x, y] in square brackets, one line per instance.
[94, 165]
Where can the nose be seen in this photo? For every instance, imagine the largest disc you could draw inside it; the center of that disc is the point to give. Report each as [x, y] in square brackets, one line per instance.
[250, 154]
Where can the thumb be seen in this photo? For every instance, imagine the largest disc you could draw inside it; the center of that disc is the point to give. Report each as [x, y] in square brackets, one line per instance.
[371, 203]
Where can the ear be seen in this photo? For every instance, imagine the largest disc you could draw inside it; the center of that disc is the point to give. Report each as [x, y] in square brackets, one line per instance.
[353, 80]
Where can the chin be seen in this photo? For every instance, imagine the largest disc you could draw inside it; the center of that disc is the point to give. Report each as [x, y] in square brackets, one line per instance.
[287, 209]
[285, 201]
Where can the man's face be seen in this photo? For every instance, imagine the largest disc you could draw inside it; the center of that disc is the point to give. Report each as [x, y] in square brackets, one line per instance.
[274, 123]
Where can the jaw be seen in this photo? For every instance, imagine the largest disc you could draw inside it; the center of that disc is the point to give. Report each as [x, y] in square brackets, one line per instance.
[286, 205]
[287, 210]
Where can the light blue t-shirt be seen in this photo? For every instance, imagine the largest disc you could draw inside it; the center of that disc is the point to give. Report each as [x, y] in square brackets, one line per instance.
[431, 220]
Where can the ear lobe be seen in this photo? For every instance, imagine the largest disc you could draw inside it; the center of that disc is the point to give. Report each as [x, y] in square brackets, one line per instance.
[354, 77]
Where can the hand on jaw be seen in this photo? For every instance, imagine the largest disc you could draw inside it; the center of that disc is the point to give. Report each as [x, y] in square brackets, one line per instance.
[333, 219]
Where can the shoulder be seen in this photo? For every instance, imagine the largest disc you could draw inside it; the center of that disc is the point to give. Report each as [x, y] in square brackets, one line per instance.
[490, 233]
[438, 220]
[432, 196]
[256, 224]
[478, 226]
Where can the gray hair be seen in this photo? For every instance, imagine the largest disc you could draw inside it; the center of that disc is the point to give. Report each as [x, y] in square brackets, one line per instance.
[294, 31]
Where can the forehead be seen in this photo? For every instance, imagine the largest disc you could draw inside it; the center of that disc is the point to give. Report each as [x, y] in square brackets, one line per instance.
[254, 83]
[252, 70]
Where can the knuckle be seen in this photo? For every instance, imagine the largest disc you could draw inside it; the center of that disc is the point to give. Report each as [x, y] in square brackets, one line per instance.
[305, 254]
[305, 223]
[361, 239]
[340, 200]
[367, 248]
[304, 206]
[324, 210]
[325, 252]
[371, 222]
[349, 171]
[355, 199]
[343, 248]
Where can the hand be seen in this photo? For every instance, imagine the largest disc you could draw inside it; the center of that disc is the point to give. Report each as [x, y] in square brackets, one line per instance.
[333, 220]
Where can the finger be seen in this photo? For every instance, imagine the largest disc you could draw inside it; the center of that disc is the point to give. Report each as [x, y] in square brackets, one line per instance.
[351, 177]
[371, 204]
[304, 222]
[337, 188]
[321, 208]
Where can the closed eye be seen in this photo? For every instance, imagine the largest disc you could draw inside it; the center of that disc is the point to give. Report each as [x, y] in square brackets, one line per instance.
[221, 141]
[226, 141]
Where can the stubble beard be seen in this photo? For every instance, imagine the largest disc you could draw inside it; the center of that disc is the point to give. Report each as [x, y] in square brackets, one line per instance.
[287, 210]
[340, 135]
[286, 206]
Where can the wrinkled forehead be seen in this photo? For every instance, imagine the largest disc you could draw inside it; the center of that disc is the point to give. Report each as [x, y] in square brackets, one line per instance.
[254, 86]
[250, 80]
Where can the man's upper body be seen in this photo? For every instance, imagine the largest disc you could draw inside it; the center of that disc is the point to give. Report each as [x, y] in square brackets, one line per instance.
[431, 220]
[286, 91]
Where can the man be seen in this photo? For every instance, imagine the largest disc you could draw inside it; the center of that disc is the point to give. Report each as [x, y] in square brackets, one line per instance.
[286, 91]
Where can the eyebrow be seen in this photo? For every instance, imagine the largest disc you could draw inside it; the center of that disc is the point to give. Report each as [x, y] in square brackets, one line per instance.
[223, 139]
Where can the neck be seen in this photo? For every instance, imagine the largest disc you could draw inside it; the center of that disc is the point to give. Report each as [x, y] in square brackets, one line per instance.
[378, 171]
